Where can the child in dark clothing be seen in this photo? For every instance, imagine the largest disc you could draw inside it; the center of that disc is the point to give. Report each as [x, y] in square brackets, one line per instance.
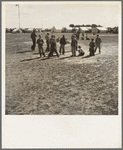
[62, 45]
[33, 37]
[74, 45]
[53, 47]
[40, 43]
[92, 45]
[47, 41]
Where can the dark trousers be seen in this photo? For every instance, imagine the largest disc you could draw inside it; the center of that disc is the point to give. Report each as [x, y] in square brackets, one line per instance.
[92, 52]
[47, 49]
[62, 49]
[81, 54]
[34, 44]
[73, 49]
[98, 46]
[52, 51]
[41, 51]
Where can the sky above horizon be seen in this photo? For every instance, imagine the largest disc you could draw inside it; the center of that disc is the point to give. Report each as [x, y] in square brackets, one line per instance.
[61, 14]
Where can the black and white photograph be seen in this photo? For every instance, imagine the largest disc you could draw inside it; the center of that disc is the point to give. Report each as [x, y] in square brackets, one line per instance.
[61, 58]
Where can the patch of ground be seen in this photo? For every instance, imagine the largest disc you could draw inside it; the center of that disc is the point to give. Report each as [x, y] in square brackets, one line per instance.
[61, 86]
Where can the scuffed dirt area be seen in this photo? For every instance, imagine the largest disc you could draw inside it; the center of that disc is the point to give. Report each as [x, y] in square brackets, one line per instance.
[61, 86]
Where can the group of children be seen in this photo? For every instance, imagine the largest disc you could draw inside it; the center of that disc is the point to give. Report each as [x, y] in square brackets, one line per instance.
[92, 46]
[95, 45]
[51, 46]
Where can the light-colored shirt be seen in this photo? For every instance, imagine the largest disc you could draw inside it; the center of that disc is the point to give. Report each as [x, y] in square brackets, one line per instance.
[81, 50]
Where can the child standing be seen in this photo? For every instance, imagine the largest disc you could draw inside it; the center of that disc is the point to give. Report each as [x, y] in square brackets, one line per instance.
[98, 42]
[40, 43]
[47, 41]
[62, 44]
[92, 45]
[74, 45]
[81, 51]
[33, 37]
[53, 47]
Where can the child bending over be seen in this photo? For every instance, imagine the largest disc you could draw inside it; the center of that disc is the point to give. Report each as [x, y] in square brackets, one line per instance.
[81, 51]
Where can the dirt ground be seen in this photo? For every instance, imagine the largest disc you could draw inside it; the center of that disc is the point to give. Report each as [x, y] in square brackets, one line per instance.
[61, 86]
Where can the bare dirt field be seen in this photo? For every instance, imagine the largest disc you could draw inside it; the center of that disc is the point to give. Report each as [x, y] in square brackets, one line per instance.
[61, 86]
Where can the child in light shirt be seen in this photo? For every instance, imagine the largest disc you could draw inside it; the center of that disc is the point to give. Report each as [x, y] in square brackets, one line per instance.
[81, 51]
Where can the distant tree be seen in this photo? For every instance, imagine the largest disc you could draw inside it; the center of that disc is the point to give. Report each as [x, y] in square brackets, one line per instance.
[71, 25]
[115, 30]
[88, 25]
[77, 26]
[82, 25]
[11, 29]
[7, 30]
[99, 26]
[94, 25]
[47, 30]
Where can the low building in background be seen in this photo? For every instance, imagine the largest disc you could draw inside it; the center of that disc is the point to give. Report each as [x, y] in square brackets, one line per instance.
[16, 30]
[69, 29]
[84, 29]
[101, 30]
[89, 29]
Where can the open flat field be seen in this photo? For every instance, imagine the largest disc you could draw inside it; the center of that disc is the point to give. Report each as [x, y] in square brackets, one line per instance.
[61, 86]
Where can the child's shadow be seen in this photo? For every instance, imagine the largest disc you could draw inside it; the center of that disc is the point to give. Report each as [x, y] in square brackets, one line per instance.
[88, 56]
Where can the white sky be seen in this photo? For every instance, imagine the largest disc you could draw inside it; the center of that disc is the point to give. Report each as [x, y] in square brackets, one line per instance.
[61, 14]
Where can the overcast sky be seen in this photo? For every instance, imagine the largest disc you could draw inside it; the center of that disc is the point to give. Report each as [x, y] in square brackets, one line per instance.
[61, 14]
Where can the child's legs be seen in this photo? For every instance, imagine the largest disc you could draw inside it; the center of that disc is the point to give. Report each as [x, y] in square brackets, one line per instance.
[74, 51]
[48, 46]
[55, 50]
[99, 49]
[60, 48]
[93, 52]
[39, 50]
[63, 48]
[42, 51]
[90, 51]
[34, 44]
[50, 53]
[82, 54]
[95, 48]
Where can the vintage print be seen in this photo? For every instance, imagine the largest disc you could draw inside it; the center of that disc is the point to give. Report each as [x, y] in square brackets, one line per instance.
[61, 58]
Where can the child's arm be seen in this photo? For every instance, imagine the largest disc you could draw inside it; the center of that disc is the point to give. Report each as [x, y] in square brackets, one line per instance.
[35, 35]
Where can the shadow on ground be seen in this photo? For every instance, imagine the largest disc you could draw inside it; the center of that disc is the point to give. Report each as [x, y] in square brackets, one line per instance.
[29, 59]
[23, 51]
